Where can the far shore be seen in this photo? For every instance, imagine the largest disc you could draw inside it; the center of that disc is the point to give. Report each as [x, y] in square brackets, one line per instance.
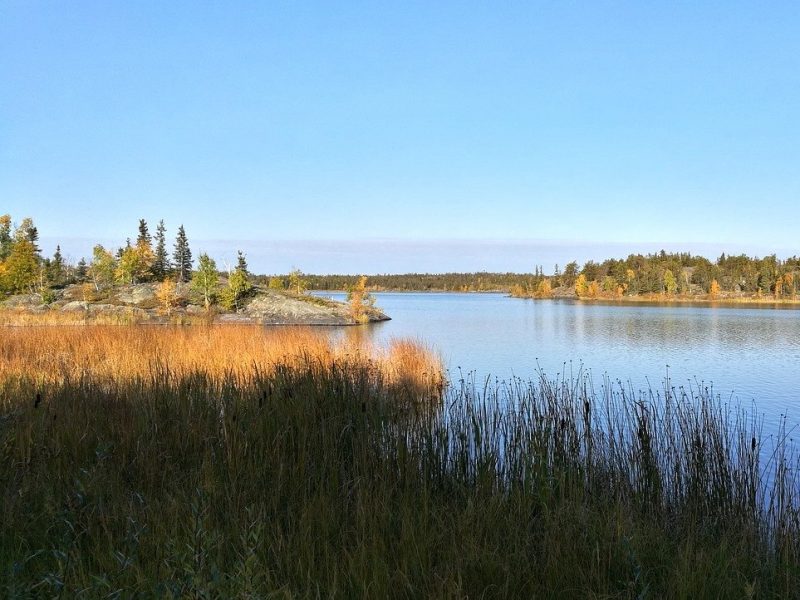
[657, 299]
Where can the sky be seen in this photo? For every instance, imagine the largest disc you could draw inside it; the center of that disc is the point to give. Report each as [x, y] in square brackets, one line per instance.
[378, 137]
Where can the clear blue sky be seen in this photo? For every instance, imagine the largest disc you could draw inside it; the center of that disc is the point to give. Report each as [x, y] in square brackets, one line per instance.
[405, 136]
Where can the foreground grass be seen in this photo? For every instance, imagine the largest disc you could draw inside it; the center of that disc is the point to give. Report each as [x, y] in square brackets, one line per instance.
[299, 476]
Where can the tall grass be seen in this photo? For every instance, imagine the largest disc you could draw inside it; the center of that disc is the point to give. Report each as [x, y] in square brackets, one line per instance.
[311, 475]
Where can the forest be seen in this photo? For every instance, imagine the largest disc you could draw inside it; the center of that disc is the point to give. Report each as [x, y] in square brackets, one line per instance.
[24, 269]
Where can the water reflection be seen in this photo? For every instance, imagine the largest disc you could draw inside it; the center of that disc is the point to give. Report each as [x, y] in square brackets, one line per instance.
[746, 353]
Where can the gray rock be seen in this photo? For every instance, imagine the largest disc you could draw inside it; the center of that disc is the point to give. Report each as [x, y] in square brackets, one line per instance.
[136, 294]
[75, 305]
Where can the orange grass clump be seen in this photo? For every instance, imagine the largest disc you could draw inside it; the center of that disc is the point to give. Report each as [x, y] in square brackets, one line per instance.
[110, 353]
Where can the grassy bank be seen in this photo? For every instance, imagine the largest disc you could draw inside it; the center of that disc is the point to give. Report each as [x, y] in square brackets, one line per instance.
[206, 463]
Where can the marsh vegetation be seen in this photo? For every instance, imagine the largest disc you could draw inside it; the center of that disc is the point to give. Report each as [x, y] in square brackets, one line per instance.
[234, 462]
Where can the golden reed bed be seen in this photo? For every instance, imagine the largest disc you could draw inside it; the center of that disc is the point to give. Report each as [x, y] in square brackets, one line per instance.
[112, 353]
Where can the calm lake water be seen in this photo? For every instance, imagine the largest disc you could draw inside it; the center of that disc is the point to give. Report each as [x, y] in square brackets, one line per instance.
[749, 354]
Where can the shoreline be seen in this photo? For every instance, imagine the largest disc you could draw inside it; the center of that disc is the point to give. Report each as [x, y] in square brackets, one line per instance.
[722, 302]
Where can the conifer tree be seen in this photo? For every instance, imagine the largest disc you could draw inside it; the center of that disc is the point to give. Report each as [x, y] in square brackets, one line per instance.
[161, 263]
[56, 267]
[5, 236]
[144, 237]
[182, 257]
[241, 264]
[81, 271]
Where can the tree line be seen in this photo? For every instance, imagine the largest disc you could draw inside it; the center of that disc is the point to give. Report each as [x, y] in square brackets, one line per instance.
[23, 268]
[670, 274]
[445, 282]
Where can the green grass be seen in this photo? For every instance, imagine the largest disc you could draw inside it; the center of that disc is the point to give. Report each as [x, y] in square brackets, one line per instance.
[326, 482]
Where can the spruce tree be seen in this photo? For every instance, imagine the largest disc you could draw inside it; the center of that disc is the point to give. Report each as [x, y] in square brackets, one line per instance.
[144, 238]
[182, 256]
[56, 267]
[242, 264]
[161, 264]
[81, 271]
[5, 237]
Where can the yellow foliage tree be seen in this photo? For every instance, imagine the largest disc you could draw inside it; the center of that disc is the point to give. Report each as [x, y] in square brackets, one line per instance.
[167, 295]
[359, 300]
[581, 287]
[297, 284]
[778, 287]
[788, 279]
[544, 289]
[594, 289]
[713, 290]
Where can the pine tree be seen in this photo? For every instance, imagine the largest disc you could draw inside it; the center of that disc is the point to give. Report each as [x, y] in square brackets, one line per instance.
[161, 263]
[182, 257]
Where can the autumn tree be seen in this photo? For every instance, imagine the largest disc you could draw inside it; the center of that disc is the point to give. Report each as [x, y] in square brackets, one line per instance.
[206, 279]
[296, 282]
[26, 231]
[103, 267]
[359, 300]
[713, 290]
[127, 266]
[581, 287]
[630, 281]
[544, 289]
[609, 284]
[167, 295]
[21, 268]
[788, 278]
[182, 257]
[237, 289]
[670, 283]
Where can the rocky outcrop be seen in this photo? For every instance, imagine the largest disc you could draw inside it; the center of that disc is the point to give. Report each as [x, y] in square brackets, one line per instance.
[139, 304]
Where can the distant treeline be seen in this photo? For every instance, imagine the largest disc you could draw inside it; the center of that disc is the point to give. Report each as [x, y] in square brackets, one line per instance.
[663, 272]
[447, 282]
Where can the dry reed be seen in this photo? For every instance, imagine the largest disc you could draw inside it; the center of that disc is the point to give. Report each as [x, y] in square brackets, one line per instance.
[54, 355]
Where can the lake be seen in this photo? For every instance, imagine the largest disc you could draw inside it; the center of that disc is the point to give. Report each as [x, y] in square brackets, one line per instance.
[748, 354]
